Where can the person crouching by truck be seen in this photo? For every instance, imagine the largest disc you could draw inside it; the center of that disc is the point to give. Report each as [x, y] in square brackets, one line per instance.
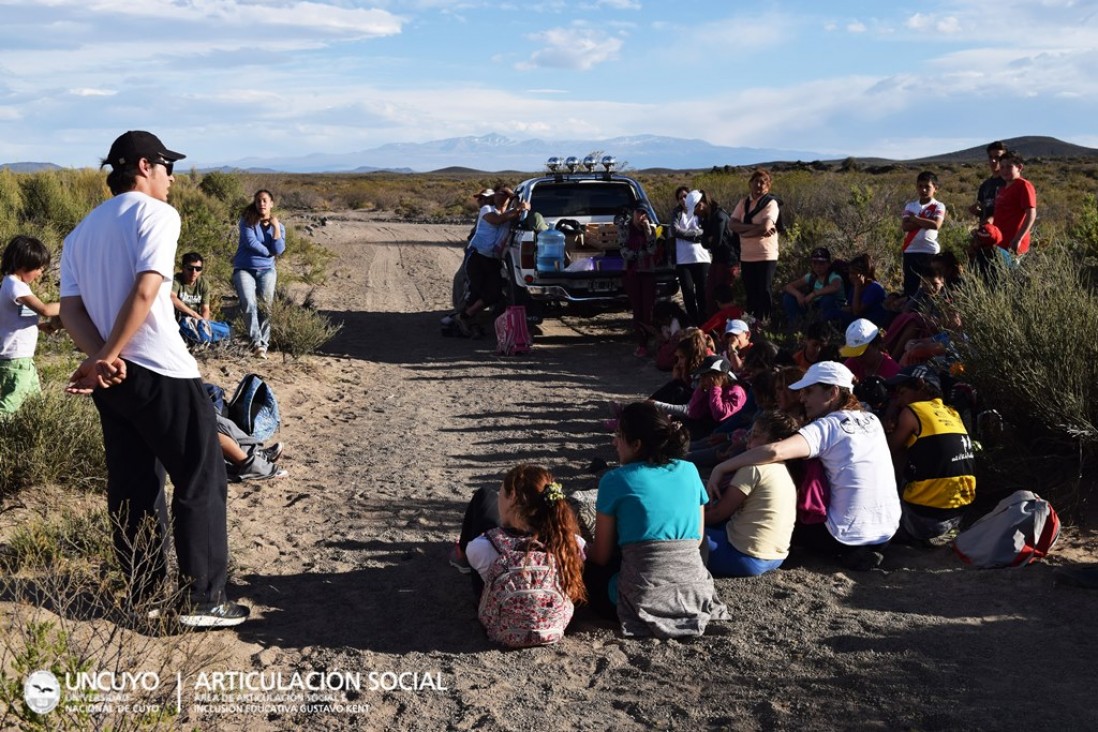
[488, 243]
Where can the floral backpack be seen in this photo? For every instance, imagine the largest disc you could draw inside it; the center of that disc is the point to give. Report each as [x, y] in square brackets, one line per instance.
[522, 604]
[512, 335]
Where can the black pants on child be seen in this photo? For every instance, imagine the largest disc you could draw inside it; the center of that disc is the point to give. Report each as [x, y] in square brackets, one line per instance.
[482, 514]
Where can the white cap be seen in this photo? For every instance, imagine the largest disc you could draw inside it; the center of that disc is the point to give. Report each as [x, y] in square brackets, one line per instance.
[831, 373]
[859, 334]
[736, 326]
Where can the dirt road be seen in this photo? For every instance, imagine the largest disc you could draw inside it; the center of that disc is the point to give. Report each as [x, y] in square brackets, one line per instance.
[389, 433]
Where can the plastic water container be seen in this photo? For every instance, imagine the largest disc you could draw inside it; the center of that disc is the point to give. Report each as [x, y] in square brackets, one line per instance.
[550, 251]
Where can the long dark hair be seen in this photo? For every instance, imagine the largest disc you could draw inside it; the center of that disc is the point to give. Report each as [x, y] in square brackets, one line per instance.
[251, 212]
[661, 440]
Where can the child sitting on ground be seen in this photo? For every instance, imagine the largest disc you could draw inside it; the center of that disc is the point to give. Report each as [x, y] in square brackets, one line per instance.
[819, 294]
[865, 353]
[816, 346]
[750, 526]
[669, 319]
[23, 261]
[529, 513]
[868, 297]
[716, 398]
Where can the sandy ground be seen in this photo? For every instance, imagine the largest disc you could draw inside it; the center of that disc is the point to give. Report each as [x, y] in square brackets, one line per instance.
[390, 432]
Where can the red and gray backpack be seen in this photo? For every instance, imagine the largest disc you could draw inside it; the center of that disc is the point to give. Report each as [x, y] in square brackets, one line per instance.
[522, 604]
[1019, 531]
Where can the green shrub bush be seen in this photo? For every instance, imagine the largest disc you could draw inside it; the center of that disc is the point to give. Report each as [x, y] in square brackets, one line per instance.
[1031, 346]
[299, 329]
[54, 438]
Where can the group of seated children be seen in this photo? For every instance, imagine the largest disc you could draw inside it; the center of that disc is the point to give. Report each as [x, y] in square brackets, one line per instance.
[795, 460]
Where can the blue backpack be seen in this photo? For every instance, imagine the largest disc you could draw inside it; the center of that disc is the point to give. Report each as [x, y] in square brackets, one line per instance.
[254, 408]
[196, 330]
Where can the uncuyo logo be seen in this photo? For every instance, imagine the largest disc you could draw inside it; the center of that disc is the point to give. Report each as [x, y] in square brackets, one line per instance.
[42, 692]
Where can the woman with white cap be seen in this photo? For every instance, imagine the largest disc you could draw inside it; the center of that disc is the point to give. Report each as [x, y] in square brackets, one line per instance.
[863, 508]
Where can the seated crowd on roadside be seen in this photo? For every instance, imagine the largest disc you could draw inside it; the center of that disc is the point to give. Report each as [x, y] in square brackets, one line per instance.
[834, 446]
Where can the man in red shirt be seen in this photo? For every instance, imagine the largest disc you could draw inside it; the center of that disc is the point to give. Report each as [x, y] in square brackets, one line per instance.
[1015, 205]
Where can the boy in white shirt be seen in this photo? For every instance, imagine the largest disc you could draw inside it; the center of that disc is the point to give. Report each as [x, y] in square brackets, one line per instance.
[922, 219]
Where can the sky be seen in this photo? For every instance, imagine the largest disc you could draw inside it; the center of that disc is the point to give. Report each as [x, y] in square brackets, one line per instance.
[222, 80]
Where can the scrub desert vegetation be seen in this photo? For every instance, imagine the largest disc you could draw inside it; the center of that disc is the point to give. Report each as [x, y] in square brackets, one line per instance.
[389, 428]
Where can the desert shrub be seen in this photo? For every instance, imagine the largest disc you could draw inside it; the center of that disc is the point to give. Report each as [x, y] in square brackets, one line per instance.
[1032, 346]
[53, 438]
[299, 329]
[64, 561]
[47, 201]
[64, 536]
[11, 198]
[1082, 235]
[225, 187]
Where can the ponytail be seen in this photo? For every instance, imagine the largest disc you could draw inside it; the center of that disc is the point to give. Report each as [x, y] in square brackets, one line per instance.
[540, 502]
[661, 440]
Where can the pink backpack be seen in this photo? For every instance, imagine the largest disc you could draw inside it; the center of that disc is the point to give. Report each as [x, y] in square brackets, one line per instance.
[522, 604]
[813, 493]
[512, 335]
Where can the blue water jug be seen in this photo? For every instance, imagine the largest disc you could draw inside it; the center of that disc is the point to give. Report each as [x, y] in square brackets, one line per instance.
[550, 251]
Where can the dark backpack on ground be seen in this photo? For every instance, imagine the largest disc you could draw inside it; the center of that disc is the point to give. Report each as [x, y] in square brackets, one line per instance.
[522, 604]
[1019, 531]
[254, 408]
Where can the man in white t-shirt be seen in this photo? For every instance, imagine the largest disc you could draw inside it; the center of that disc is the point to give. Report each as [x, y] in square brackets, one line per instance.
[116, 274]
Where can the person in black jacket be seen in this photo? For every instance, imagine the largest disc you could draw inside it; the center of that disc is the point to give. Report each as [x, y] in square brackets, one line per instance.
[723, 245]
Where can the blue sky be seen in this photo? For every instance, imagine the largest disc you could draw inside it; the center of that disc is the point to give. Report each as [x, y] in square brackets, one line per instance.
[222, 80]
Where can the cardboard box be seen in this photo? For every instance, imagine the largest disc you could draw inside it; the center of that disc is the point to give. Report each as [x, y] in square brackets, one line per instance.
[601, 236]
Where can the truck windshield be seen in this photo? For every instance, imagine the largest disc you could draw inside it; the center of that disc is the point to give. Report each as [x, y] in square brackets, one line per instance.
[555, 200]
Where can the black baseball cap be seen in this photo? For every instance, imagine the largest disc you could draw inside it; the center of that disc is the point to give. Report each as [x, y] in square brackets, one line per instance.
[136, 144]
[917, 371]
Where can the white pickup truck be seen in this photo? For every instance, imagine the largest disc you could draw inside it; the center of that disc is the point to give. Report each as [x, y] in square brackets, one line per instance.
[587, 201]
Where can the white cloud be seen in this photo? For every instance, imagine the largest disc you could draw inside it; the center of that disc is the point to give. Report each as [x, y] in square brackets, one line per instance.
[856, 27]
[572, 48]
[918, 21]
[87, 92]
[831, 26]
[948, 25]
[304, 15]
[923, 22]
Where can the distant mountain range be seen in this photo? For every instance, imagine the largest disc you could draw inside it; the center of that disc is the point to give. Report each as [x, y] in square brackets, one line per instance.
[496, 152]
[29, 167]
[1028, 147]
